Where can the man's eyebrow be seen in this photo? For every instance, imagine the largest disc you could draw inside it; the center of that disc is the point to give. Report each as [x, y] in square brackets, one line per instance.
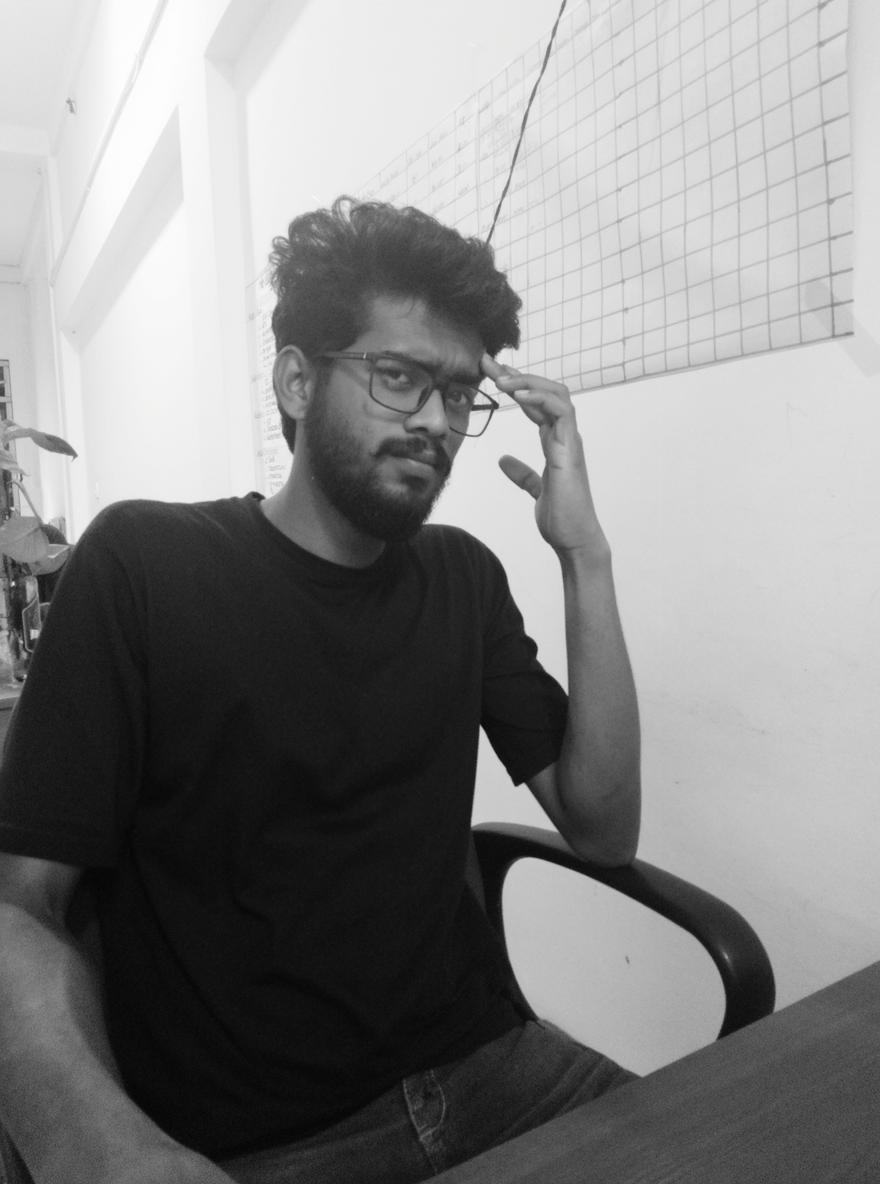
[466, 377]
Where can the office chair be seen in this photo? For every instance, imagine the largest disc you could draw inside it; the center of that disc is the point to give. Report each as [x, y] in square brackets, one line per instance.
[731, 942]
[735, 948]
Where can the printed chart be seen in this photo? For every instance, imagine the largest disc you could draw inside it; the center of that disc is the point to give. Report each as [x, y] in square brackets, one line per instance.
[683, 192]
[272, 454]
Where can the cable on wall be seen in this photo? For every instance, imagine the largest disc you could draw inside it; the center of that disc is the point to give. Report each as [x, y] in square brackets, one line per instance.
[525, 119]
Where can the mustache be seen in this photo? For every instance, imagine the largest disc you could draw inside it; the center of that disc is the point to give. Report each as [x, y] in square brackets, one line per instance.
[417, 448]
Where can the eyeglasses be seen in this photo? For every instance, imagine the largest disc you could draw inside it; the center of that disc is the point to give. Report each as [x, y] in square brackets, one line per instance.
[405, 385]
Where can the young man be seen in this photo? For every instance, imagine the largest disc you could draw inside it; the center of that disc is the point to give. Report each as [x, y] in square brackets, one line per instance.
[253, 725]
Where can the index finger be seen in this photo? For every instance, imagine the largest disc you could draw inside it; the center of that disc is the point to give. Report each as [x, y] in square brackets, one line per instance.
[491, 368]
[515, 383]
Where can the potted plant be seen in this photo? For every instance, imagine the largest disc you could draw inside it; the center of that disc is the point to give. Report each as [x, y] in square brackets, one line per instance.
[30, 549]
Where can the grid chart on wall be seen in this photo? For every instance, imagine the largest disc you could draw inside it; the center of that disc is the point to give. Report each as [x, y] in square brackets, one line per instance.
[682, 195]
[683, 191]
[270, 449]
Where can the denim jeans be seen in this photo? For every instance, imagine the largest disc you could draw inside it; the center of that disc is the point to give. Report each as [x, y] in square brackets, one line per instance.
[441, 1117]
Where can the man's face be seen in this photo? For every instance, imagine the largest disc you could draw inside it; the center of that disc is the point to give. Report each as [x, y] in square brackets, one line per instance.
[380, 469]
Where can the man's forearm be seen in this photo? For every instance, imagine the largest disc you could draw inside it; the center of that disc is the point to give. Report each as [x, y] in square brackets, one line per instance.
[592, 793]
[598, 773]
[61, 1100]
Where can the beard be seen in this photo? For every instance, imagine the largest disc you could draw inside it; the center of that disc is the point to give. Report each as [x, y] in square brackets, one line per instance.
[350, 478]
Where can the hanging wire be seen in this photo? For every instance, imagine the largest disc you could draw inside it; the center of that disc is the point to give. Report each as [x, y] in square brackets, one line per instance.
[525, 120]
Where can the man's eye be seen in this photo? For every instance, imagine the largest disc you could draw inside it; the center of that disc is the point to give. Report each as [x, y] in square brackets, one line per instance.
[395, 377]
[461, 397]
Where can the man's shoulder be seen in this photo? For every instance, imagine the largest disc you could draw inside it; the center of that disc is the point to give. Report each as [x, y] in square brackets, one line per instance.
[145, 519]
[452, 545]
[436, 537]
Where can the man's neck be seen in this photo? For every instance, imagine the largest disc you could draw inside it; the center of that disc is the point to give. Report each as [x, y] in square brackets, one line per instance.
[301, 513]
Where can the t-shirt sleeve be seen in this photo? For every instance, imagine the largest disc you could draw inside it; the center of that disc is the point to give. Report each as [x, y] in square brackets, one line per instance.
[524, 708]
[73, 755]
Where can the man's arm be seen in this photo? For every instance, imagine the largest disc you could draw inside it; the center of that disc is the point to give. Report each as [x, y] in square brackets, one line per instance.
[61, 1099]
[593, 792]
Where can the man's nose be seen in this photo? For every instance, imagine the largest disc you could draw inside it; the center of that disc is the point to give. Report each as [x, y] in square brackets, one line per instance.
[431, 417]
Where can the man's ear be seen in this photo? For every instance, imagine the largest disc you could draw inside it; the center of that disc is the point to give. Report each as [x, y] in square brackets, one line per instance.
[294, 378]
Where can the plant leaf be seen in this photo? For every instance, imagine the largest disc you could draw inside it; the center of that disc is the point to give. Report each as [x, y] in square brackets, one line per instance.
[8, 461]
[24, 540]
[18, 526]
[43, 440]
[58, 555]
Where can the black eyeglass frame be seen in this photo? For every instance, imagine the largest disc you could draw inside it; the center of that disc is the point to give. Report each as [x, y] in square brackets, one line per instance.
[489, 407]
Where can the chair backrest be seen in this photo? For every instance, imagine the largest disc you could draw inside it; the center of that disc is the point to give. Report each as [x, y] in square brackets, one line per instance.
[82, 920]
[472, 874]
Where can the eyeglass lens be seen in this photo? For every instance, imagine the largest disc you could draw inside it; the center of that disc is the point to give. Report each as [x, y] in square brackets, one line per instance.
[402, 385]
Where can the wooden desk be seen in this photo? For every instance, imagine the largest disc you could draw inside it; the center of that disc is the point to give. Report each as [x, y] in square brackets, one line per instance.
[792, 1099]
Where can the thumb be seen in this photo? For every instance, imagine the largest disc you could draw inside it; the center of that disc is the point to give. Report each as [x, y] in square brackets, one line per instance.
[521, 474]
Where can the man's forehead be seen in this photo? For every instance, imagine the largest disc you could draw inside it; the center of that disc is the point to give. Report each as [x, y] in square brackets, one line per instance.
[408, 325]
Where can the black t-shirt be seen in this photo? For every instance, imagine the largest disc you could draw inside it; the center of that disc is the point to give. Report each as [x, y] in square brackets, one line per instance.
[272, 759]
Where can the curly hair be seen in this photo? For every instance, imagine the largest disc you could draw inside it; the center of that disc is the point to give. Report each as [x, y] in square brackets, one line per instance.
[333, 262]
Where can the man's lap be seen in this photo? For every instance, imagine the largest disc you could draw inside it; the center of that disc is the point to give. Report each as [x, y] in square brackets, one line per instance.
[441, 1117]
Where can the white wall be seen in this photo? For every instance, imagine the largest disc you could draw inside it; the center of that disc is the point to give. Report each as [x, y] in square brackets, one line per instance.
[15, 344]
[48, 480]
[140, 416]
[334, 94]
[742, 500]
[16, 347]
[152, 132]
[115, 34]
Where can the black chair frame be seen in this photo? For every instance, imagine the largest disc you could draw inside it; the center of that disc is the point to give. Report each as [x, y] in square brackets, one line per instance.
[732, 944]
